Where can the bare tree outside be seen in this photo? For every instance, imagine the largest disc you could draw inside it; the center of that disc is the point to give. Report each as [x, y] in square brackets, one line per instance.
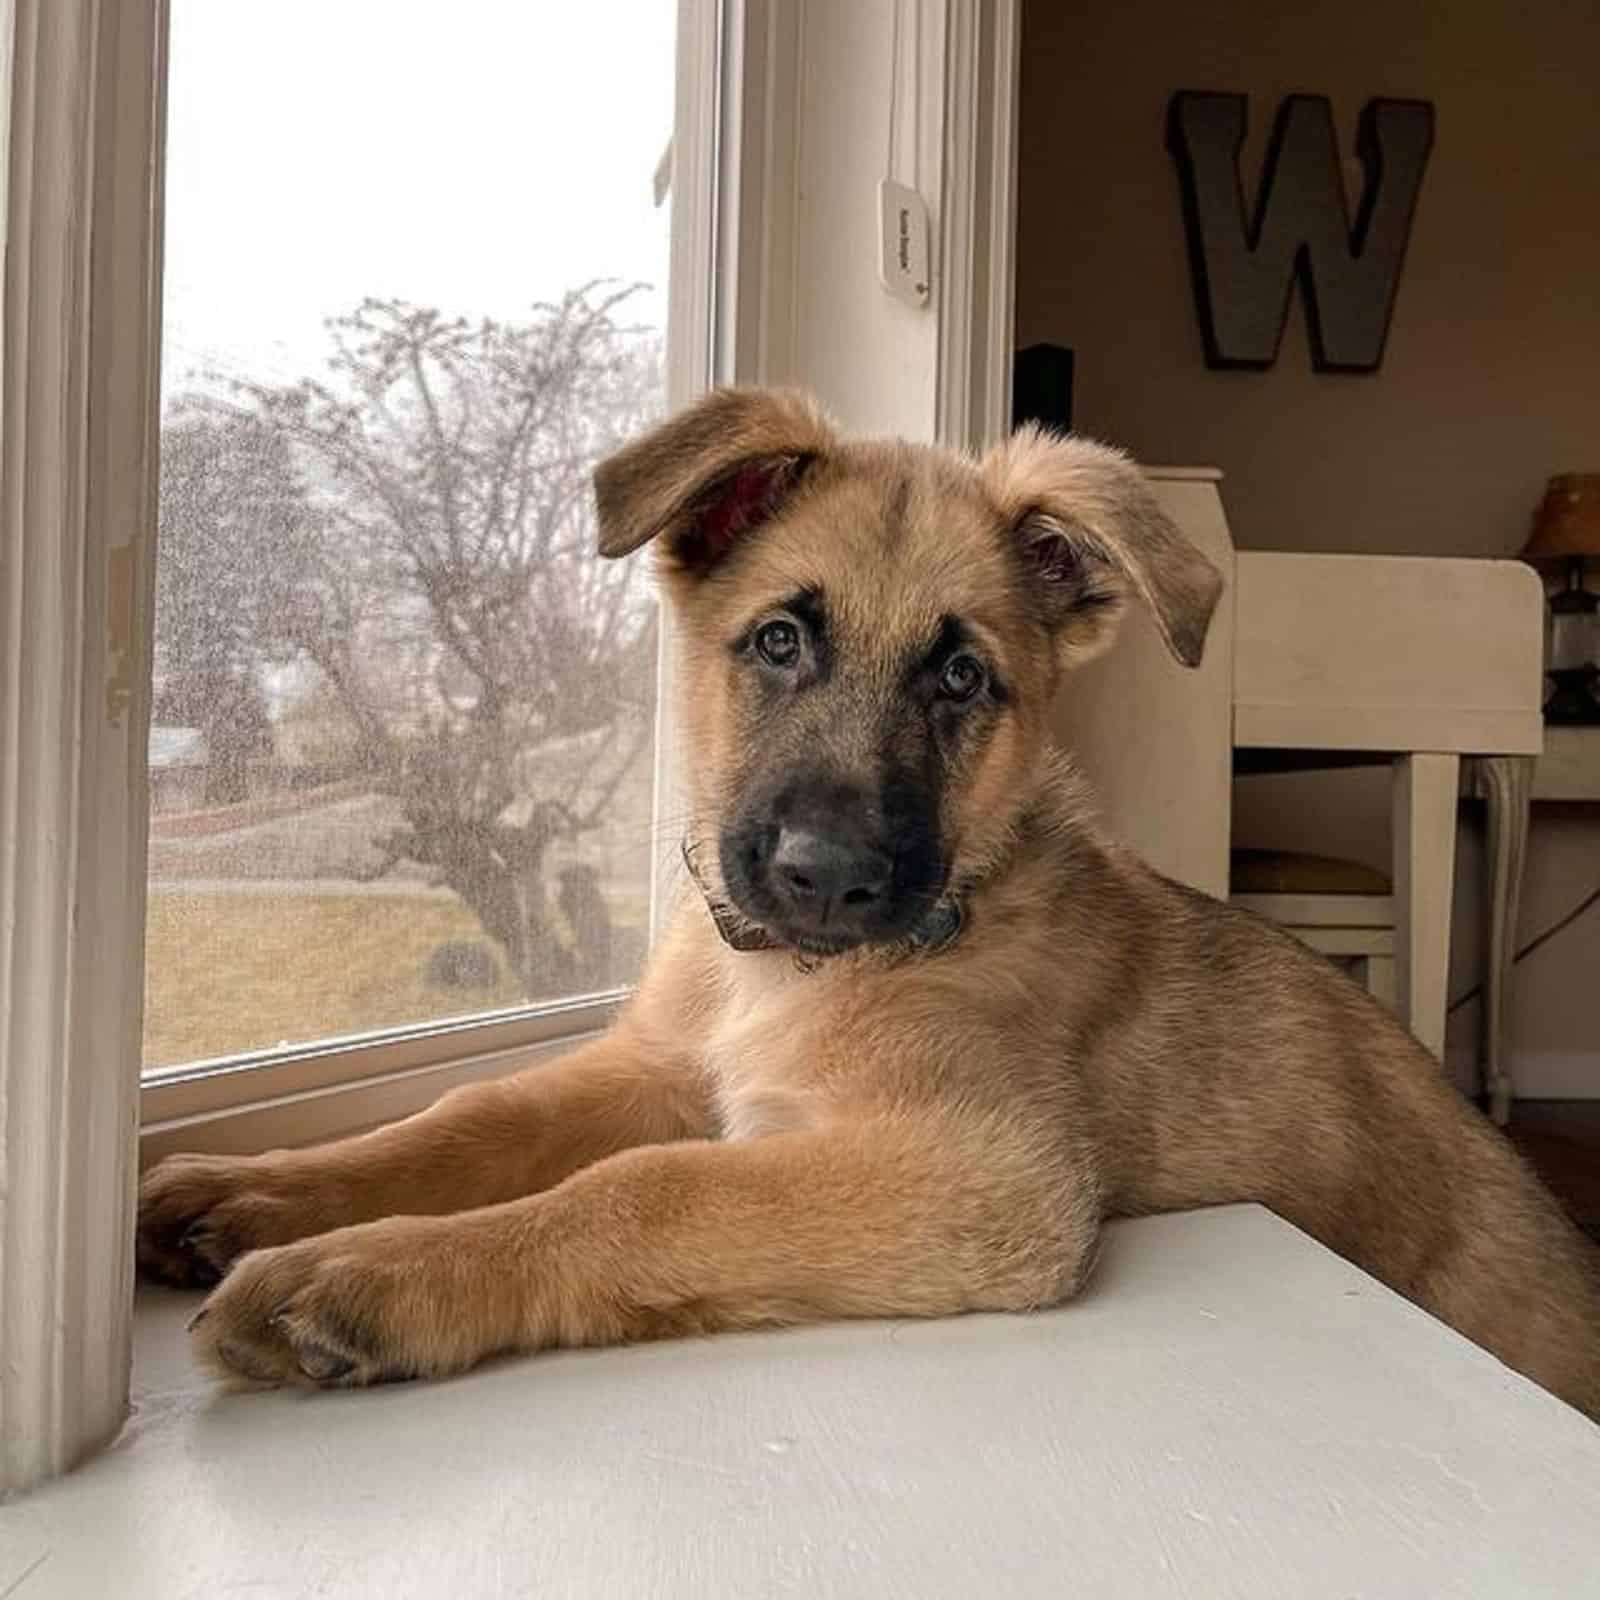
[490, 670]
[405, 547]
[415, 282]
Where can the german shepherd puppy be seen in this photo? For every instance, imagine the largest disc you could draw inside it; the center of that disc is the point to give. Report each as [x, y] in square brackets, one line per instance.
[918, 1026]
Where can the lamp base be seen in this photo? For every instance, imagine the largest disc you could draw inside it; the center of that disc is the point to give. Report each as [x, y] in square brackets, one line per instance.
[1575, 697]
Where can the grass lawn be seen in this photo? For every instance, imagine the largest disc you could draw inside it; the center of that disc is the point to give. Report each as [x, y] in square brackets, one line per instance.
[229, 971]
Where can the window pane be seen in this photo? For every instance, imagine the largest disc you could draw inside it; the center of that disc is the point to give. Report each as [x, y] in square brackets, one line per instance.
[416, 270]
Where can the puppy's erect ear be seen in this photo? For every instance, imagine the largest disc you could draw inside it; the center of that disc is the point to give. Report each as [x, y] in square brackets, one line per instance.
[1088, 530]
[712, 474]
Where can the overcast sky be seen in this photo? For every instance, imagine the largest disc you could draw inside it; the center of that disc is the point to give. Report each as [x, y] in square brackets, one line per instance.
[477, 155]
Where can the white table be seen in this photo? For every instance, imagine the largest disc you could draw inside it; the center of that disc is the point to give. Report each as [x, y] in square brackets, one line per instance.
[1228, 1411]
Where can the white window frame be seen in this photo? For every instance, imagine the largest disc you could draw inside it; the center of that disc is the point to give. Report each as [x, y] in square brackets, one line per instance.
[765, 230]
[78, 405]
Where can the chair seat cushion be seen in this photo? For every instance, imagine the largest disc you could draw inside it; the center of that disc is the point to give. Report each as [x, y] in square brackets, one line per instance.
[1294, 872]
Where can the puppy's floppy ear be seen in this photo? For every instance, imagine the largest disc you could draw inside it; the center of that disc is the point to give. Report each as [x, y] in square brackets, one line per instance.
[710, 475]
[1088, 530]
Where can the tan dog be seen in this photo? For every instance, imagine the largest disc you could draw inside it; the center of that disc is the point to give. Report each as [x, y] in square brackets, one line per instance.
[927, 1027]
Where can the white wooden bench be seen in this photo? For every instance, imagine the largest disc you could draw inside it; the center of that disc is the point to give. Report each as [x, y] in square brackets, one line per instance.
[1228, 1410]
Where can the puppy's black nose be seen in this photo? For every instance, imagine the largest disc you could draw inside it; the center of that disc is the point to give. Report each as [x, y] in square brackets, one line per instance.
[829, 877]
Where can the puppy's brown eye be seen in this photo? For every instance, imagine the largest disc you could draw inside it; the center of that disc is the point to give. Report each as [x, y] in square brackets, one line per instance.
[778, 644]
[963, 677]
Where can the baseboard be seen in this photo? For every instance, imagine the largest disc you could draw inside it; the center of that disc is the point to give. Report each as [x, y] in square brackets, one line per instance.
[1557, 1075]
[1537, 1075]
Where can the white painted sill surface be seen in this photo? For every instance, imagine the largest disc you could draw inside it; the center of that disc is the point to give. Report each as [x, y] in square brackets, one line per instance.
[1229, 1410]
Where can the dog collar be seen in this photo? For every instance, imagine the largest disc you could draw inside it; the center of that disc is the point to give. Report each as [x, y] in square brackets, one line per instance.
[939, 928]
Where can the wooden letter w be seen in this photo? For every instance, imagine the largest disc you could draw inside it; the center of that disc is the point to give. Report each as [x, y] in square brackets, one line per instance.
[1243, 273]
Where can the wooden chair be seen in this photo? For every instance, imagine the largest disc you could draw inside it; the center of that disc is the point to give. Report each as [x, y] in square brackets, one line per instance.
[1341, 909]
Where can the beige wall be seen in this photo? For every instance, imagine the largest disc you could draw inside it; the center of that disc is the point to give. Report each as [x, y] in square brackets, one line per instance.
[1491, 379]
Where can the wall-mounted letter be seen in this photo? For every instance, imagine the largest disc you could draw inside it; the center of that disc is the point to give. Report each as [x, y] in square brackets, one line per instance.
[1244, 271]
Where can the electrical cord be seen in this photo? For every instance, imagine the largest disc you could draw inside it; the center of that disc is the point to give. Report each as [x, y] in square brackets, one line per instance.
[1533, 944]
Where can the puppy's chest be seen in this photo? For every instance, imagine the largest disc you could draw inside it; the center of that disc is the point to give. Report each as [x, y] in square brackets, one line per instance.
[763, 1055]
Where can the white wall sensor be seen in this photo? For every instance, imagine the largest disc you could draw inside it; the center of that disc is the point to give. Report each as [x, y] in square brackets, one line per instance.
[903, 243]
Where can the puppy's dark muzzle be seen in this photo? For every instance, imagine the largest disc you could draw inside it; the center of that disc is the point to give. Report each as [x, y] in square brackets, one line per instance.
[833, 885]
[824, 866]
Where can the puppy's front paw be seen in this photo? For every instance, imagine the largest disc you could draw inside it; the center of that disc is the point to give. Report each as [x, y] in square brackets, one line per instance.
[372, 1304]
[198, 1214]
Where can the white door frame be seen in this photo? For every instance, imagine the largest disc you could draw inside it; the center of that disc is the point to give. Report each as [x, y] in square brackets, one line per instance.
[957, 127]
[978, 212]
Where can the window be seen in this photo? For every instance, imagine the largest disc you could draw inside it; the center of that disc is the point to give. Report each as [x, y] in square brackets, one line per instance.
[402, 753]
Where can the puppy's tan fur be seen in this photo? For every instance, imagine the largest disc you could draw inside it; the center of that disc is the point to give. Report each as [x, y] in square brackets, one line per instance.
[890, 1131]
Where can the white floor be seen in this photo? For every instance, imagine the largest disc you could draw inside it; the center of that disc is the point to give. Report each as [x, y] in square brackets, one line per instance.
[1228, 1411]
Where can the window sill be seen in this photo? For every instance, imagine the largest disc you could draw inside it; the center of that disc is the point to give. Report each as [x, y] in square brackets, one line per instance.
[1183, 1429]
[246, 1104]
